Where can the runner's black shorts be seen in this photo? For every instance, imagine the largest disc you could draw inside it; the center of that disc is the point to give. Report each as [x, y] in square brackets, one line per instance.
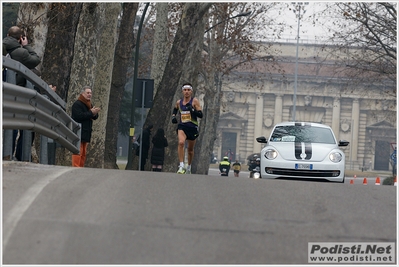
[191, 132]
[236, 171]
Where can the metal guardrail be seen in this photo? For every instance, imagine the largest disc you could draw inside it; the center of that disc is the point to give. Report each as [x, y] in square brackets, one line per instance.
[35, 108]
[14, 67]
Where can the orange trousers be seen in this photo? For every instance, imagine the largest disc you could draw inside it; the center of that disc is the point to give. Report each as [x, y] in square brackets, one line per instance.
[79, 160]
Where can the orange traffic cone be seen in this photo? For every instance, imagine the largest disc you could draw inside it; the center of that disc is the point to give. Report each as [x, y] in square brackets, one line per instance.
[394, 182]
[365, 181]
[377, 181]
[351, 181]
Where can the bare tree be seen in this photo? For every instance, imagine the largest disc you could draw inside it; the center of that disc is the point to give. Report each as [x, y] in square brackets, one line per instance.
[92, 64]
[229, 44]
[33, 20]
[123, 56]
[210, 57]
[161, 47]
[51, 29]
[191, 69]
[367, 32]
[57, 60]
[159, 114]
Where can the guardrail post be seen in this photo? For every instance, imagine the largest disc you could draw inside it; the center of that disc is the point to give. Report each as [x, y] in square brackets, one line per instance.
[51, 145]
[29, 85]
[43, 149]
[11, 76]
[26, 145]
[7, 144]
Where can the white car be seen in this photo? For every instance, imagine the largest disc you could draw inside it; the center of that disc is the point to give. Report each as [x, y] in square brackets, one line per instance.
[302, 150]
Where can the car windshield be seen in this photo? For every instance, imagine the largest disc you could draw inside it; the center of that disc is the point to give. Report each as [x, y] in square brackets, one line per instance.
[307, 133]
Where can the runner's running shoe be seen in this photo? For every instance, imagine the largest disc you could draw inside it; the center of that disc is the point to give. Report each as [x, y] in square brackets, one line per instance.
[181, 170]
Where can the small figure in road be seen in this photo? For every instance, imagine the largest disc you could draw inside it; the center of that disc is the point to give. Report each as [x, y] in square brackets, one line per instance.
[224, 166]
[236, 168]
[254, 167]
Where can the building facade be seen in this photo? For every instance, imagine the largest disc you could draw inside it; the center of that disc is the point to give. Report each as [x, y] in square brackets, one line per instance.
[361, 113]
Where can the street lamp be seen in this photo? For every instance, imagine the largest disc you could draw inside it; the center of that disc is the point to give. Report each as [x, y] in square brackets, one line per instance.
[244, 14]
[136, 66]
[298, 7]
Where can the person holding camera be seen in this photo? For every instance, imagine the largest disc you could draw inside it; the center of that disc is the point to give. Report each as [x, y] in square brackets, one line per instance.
[187, 130]
[17, 46]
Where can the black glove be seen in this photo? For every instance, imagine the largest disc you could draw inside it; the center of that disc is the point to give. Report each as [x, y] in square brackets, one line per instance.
[190, 107]
[174, 120]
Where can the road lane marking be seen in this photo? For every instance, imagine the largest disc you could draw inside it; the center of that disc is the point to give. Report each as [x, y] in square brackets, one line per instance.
[23, 204]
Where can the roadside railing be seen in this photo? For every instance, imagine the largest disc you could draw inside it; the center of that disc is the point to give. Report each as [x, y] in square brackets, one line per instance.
[34, 108]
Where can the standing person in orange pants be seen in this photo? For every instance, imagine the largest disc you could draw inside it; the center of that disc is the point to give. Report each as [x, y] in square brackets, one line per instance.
[84, 113]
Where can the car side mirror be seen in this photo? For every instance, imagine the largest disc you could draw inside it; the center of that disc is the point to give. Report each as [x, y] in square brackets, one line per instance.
[343, 143]
[261, 139]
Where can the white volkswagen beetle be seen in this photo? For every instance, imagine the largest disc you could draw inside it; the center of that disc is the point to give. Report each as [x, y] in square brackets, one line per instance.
[302, 150]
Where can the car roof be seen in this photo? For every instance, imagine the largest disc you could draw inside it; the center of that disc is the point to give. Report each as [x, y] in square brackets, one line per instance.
[303, 123]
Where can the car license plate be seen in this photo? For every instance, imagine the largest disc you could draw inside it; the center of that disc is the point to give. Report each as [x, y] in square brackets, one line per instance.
[302, 166]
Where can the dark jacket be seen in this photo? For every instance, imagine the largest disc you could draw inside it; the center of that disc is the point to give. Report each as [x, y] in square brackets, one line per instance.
[26, 55]
[224, 167]
[253, 166]
[82, 114]
[158, 150]
[145, 143]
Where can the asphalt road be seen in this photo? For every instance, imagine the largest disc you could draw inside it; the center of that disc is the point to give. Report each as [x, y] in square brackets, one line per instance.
[63, 215]
[356, 181]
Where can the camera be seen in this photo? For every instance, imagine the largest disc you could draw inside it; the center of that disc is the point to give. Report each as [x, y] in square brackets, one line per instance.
[23, 37]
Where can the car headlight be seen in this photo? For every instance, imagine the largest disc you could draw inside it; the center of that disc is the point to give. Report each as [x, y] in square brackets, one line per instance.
[270, 154]
[335, 157]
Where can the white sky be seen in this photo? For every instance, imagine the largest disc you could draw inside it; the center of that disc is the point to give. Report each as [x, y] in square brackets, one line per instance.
[307, 30]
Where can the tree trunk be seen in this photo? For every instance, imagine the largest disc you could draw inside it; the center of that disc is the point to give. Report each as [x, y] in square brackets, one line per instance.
[34, 21]
[63, 20]
[123, 56]
[57, 30]
[102, 82]
[92, 65]
[191, 69]
[160, 114]
[189, 74]
[209, 123]
[160, 49]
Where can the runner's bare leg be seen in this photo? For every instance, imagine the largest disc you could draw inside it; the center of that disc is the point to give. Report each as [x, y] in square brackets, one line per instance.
[180, 148]
[190, 151]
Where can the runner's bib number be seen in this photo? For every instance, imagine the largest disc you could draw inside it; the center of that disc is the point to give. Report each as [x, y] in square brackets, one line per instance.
[185, 116]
